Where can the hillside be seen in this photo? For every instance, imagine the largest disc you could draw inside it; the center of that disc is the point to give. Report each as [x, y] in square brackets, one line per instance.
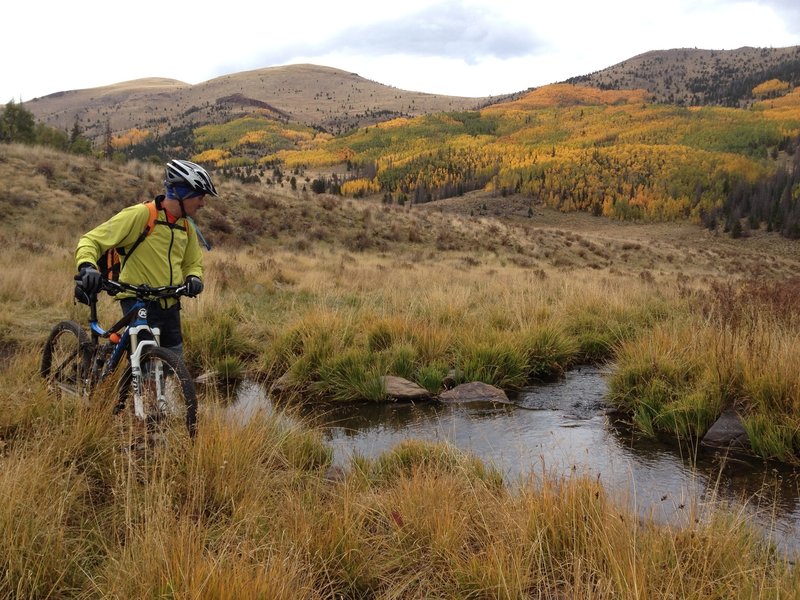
[314, 299]
[50, 198]
[693, 77]
[316, 96]
[609, 149]
[574, 148]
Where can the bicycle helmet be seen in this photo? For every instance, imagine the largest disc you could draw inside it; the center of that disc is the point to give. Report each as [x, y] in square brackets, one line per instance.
[182, 173]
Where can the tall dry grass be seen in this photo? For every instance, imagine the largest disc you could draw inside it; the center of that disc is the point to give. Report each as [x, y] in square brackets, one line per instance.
[740, 351]
[497, 323]
[247, 510]
[335, 322]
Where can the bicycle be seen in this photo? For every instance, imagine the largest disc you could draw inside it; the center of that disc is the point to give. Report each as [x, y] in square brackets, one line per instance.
[74, 362]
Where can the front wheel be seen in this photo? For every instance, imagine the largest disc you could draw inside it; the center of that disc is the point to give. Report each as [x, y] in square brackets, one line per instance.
[167, 390]
[66, 360]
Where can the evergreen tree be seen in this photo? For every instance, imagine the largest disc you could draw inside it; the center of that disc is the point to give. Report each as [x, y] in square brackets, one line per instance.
[318, 186]
[17, 124]
[75, 133]
[108, 145]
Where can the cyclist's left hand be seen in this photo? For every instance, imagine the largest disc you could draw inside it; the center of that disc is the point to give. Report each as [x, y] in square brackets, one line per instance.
[194, 285]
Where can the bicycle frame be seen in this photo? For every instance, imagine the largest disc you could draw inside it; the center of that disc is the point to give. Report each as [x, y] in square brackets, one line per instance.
[131, 325]
[134, 322]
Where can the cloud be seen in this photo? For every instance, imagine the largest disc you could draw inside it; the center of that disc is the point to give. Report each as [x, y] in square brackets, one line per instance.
[450, 30]
[789, 6]
[446, 30]
[462, 47]
[788, 10]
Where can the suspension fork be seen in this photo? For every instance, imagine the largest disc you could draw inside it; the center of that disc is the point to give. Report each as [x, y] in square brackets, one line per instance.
[137, 349]
[136, 374]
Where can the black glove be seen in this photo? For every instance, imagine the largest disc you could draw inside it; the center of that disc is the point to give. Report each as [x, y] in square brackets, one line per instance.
[90, 278]
[194, 285]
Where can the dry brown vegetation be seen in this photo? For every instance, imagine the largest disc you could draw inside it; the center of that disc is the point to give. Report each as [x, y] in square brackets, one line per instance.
[50, 197]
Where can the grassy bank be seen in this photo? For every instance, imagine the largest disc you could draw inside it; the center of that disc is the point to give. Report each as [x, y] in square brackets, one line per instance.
[248, 511]
[737, 348]
[334, 321]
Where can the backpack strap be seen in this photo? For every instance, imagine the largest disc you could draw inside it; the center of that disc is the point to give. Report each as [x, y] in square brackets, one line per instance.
[153, 207]
[151, 222]
[178, 224]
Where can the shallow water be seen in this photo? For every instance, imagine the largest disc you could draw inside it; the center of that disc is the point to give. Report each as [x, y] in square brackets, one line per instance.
[569, 432]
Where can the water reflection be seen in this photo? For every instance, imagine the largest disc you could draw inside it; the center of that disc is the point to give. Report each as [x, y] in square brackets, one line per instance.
[564, 429]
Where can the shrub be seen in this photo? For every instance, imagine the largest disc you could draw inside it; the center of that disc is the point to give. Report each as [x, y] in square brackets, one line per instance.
[502, 364]
[549, 352]
[349, 377]
[411, 455]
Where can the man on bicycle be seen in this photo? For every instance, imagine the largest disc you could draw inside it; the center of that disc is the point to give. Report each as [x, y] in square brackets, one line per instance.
[169, 254]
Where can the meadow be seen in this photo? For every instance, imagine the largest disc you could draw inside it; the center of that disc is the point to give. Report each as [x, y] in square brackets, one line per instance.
[329, 294]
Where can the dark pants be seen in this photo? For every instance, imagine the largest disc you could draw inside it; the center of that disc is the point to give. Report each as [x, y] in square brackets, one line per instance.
[167, 320]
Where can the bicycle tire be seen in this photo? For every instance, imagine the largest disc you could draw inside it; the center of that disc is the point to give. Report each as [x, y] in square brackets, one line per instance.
[176, 402]
[66, 360]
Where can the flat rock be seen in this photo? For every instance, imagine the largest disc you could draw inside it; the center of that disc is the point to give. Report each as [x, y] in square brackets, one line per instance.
[475, 391]
[727, 432]
[403, 389]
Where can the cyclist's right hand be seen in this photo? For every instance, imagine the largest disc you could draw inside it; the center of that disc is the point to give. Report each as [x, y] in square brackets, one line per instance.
[89, 278]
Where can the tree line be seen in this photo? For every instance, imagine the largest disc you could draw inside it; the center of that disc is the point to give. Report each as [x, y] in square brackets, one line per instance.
[17, 124]
[771, 201]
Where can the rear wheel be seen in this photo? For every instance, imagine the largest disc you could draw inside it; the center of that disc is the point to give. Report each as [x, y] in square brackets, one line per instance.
[66, 360]
[167, 390]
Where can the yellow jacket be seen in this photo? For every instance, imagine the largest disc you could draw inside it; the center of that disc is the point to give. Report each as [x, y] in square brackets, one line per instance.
[167, 256]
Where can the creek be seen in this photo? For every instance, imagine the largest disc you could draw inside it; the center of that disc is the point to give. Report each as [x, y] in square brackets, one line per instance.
[570, 431]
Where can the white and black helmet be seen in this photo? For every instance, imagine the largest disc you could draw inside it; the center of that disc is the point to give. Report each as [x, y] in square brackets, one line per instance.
[189, 174]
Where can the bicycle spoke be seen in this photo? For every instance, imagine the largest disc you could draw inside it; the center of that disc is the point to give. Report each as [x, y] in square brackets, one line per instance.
[167, 393]
[65, 360]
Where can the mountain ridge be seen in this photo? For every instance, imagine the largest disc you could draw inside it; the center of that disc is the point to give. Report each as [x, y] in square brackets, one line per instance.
[322, 97]
[334, 100]
[692, 76]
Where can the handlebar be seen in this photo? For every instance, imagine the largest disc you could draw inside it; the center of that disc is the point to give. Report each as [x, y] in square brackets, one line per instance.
[142, 292]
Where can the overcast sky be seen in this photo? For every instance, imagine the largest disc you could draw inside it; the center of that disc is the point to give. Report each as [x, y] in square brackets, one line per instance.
[458, 47]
